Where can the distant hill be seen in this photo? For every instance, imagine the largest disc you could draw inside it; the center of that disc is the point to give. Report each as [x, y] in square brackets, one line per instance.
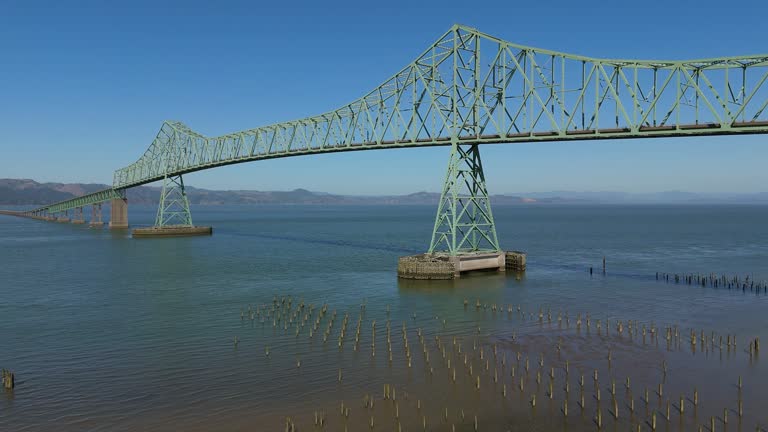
[24, 191]
[30, 192]
[666, 197]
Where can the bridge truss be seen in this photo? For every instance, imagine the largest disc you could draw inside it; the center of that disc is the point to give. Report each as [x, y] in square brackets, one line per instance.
[471, 88]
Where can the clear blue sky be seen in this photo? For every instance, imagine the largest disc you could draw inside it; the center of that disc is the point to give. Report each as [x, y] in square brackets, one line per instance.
[85, 85]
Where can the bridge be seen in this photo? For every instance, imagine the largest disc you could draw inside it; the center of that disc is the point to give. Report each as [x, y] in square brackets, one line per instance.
[466, 89]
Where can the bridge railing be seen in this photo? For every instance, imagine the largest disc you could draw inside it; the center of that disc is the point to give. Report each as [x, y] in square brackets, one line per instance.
[472, 87]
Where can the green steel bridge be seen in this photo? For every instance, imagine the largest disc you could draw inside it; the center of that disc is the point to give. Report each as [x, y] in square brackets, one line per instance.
[466, 89]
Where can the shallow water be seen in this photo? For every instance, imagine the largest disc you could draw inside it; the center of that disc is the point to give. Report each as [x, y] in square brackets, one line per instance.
[109, 333]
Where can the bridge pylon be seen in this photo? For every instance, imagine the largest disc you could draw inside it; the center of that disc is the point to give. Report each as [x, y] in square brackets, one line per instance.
[63, 217]
[174, 219]
[464, 235]
[96, 220]
[174, 204]
[464, 221]
[78, 217]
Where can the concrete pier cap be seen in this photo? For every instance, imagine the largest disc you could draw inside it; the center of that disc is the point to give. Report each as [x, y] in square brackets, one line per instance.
[172, 231]
[445, 266]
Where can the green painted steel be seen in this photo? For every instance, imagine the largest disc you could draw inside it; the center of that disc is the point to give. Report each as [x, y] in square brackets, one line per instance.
[475, 88]
[471, 88]
[174, 205]
[464, 221]
[79, 202]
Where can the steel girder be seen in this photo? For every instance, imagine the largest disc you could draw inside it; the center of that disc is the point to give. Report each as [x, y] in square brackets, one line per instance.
[81, 201]
[474, 88]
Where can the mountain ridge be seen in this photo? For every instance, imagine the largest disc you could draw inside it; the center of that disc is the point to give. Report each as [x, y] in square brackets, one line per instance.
[31, 192]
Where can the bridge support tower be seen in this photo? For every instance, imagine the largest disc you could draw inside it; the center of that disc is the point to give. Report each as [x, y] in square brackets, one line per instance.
[173, 216]
[63, 217]
[118, 213]
[96, 220]
[464, 235]
[78, 217]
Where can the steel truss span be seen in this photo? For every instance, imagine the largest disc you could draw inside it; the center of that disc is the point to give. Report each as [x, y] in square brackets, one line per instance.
[82, 201]
[471, 87]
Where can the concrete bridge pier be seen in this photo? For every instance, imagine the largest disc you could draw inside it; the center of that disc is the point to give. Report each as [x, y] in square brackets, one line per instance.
[78, 217]
[118, 214]
[63, 218]
[96, 216]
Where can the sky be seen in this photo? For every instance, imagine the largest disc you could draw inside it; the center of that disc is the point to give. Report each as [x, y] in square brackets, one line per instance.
[85, 86]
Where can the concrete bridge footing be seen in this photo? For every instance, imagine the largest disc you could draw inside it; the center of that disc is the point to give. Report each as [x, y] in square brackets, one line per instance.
[118, 214]
[444, 266]
[172, 231]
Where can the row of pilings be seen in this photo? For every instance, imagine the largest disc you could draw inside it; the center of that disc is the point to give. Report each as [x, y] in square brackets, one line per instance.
[715, 281]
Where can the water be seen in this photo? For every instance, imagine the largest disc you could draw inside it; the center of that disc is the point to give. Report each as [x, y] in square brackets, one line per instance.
[109, 333]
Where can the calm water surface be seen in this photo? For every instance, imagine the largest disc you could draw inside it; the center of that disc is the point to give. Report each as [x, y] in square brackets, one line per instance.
[109, 333]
